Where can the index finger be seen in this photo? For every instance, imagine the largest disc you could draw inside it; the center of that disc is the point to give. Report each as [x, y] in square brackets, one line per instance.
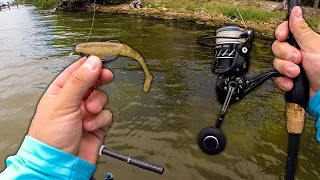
[63, 77]
[282, 31]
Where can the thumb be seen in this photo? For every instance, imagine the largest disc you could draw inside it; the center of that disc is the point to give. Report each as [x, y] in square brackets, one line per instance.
[306, 38]
[79, 82]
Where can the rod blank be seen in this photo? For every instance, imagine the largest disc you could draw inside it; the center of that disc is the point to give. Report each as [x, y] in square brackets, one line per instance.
[130, 160]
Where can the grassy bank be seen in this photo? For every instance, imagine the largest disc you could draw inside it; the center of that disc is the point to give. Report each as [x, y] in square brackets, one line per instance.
[251, 13]
[47, 4]
[257, 11]
[258, 15]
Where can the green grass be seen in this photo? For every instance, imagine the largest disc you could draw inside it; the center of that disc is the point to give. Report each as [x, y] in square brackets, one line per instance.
[153, 5]
[225, 7]
[248, 14]
[253, 13]
[175, 4]
[27, 1]
[191, 7]
[47, 4]
[313, 21]
[150, 4]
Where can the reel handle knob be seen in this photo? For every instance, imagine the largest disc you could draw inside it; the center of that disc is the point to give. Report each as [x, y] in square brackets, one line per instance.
[212, 141]
[108, 176]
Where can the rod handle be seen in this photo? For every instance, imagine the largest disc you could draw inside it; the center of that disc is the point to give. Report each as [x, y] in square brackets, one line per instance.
[145, 165]
[297, 99]
[130, 160]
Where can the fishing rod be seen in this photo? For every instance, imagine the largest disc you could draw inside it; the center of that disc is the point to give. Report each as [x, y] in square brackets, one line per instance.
[130, 160]
[297, 102]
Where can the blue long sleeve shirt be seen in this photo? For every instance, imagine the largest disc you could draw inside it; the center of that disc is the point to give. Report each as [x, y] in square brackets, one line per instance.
[36, 160]
[314, 108]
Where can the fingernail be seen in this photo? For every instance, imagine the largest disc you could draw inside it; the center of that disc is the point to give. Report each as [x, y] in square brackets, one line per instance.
[290, 70]
[299, 13]
[91, 63]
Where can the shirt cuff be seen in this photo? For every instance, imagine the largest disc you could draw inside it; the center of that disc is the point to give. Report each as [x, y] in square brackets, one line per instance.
[314, 105]
[45, 158]
[318, 131]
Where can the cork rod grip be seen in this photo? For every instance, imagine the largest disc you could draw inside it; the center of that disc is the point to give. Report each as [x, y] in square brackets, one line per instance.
[295, 118]
[297, 102]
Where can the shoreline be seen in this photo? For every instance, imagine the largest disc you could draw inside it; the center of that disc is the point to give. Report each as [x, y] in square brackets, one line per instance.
[202, 17]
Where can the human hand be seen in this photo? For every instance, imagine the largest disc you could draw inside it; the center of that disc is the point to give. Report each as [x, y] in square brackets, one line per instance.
[70, 114]
[287, 57]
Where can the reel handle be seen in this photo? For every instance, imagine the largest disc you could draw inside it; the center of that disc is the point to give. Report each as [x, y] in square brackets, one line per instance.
[244, 86]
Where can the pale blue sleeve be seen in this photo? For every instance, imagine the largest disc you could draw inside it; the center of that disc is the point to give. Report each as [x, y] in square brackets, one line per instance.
[314, 108]
[36, 160]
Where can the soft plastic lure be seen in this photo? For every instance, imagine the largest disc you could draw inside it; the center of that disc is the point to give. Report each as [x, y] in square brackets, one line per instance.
[105, 50]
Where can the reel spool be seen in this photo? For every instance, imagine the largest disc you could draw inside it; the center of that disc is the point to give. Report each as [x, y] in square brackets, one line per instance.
[231, 50]
[231, 63]
[227, 41]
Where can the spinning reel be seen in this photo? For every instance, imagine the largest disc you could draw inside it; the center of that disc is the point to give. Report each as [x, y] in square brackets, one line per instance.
[231, 63]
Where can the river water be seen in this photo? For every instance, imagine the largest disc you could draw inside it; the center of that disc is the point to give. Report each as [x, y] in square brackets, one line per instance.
[160, 126]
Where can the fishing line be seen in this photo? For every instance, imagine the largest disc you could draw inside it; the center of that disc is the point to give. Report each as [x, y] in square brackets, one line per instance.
[94, 13]
[229, 35]
[234, 2]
